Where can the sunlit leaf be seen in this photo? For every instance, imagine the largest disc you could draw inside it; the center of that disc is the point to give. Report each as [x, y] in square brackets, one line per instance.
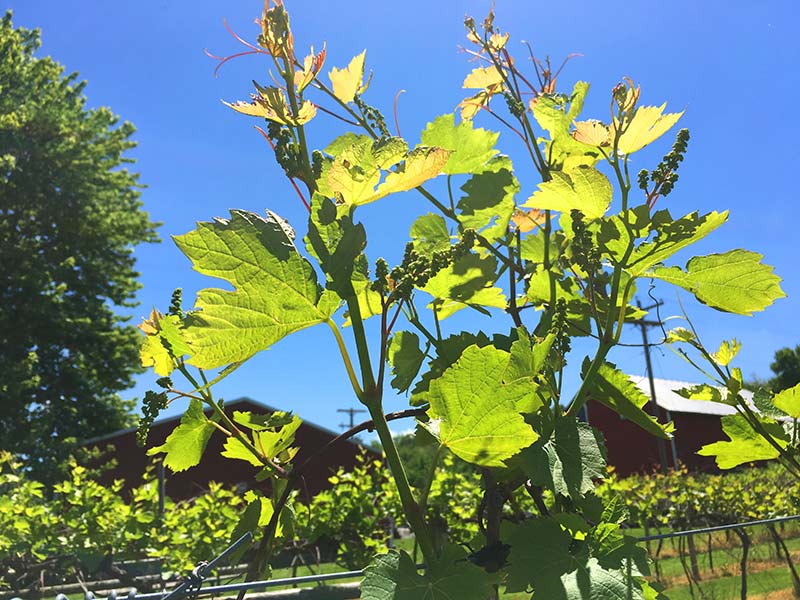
[789, 401]
[593, 133]
[406, 358]
[348, 82]
[185, 445]
[479, 407]
[648, 124]
[469, 281]
[583, 188]
[482, 78]
[276, 288]
[489, 202]
[470, 147]
[735, 282]
[745, 445]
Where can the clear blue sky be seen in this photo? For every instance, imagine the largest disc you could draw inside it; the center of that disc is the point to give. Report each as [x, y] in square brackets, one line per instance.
[731, 64]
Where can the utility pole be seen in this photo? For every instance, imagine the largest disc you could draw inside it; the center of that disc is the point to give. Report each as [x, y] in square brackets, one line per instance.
[644, 325]
[351, 412]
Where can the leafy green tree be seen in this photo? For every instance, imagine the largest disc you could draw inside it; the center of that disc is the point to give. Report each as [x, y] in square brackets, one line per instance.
[70, 215]
[786, 368]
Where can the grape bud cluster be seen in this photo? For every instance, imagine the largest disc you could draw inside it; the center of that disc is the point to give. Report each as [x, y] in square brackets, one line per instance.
[373, 116]
[287, 150]
[416, 269]
[665, 175]
[152, 405]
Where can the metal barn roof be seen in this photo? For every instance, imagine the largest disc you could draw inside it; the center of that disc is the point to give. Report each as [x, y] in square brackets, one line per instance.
[668, 399]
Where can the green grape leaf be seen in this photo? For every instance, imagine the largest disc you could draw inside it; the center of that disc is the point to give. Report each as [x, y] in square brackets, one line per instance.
[355, 171]
[582, 188]
[745, 444]
[406, 359]
[479, 401]
[489, 201]
[154, 353]
[236, 450]
[393, 576]
[185, 445]
[448, 351]
[570, 461]
[470, 147]
[612, 388]
[789, 401]
[468, 281]
[648, 124]
[553, 115]
[735, 282]
[336, 242]
[163, 343]
[590, 581]
[429, 234]
[763, 401]
[702, 391]
[671, 236]
[276, 289]
[539, 554]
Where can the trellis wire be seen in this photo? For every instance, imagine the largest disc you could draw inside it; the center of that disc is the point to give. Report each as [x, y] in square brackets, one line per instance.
[191, 586]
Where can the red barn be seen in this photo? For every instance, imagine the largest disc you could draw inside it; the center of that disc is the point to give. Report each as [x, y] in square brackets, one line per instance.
[633, 450]
[132, 459]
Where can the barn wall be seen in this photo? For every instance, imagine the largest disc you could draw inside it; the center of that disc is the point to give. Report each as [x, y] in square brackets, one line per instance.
[133, 460]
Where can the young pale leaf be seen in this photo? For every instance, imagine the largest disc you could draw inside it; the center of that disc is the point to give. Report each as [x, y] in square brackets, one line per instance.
[612, 388]
[470, 147]
[745, 444]
[648, 124]
[347, 82]
[479, 407]
[185, 445]
[555, 114]
[582, 188]
[735, 282]
[727, 352]
[406, 359]
[421, 165]
[482, 78]
[789, 401]
[276, 288]
[489, 202]
[394, 576]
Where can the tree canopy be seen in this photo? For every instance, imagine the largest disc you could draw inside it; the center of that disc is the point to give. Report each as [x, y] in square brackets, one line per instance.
[70, 215]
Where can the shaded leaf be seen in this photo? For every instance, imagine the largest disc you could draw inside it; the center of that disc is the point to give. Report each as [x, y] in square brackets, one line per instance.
[406, 359]
[612, 388]
[468, 281]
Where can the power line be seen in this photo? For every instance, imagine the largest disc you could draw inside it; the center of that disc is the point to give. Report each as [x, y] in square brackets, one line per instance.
[351, 412]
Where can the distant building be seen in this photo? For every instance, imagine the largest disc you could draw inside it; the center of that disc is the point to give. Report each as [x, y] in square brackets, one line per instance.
[132, 459]
[697, 424]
